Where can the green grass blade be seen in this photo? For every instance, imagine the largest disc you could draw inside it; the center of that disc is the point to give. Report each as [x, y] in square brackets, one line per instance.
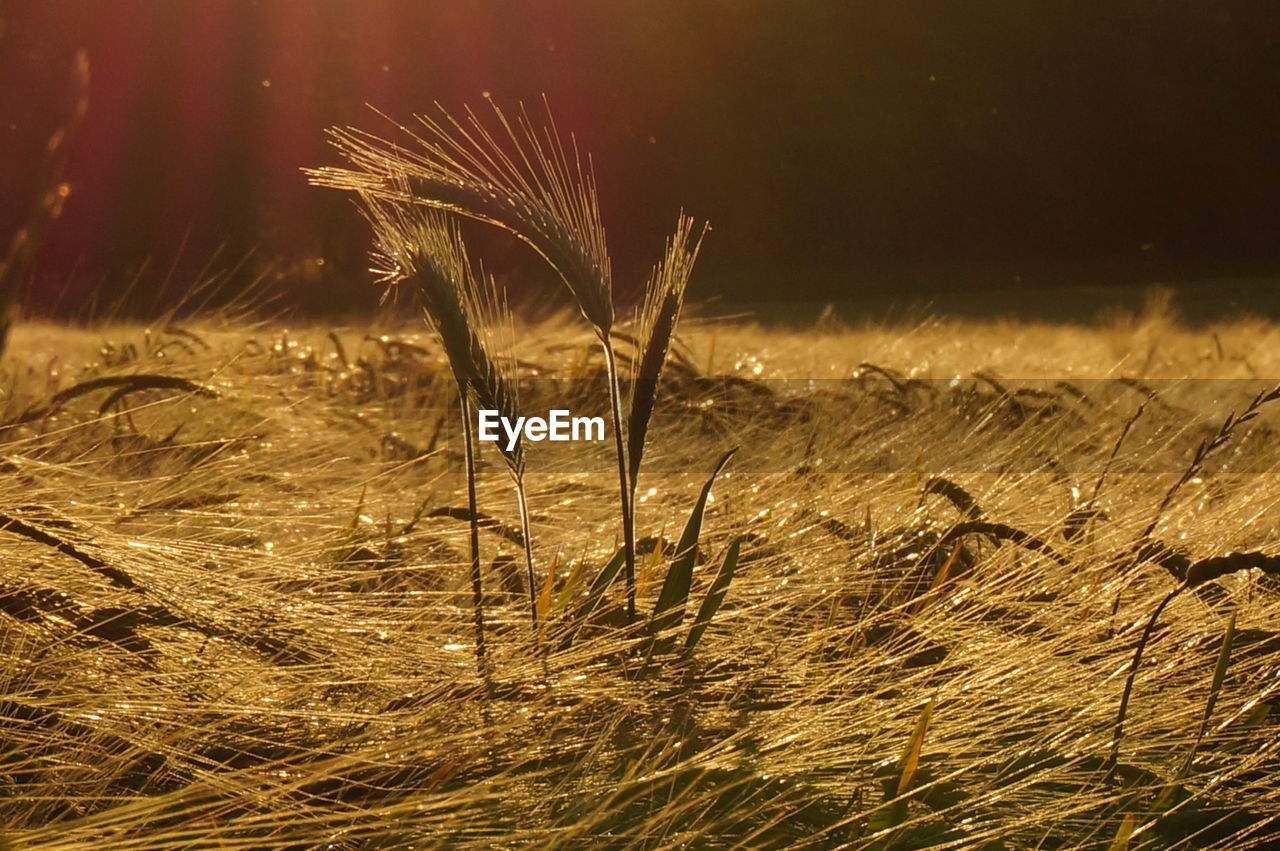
[570, 587]
[911, 756]
[669, 609]
[603, 580]
[1219, 674]
[715, 595]
[1123, 833]
[893, 811]
[1172, 792]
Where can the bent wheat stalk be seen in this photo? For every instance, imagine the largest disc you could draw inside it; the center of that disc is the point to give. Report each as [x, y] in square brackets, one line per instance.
[1201, 572]
[422, 247]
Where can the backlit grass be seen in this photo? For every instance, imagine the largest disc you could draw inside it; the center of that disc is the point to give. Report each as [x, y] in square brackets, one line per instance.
[249, 622]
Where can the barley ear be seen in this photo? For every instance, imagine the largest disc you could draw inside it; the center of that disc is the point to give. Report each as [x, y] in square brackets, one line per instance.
[658, 318]
[515, 177]
[423, 248]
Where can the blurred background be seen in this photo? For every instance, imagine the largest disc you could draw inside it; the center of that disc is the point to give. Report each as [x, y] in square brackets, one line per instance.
[1048, 158]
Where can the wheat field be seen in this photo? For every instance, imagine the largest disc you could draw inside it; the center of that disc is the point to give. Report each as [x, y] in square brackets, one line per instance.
[236, 606]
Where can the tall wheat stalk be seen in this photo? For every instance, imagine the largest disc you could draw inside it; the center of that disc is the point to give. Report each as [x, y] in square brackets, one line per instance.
[423, 247]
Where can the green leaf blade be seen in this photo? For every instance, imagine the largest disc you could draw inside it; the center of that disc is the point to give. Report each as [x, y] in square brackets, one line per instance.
[715, 595]
[669, 610]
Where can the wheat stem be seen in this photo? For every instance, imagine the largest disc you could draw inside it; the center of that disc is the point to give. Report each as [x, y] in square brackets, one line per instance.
[624, 479]
[523, 501]
[1116, 737]
[477, 581]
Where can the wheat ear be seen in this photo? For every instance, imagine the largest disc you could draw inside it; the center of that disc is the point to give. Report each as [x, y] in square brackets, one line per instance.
[519, 179]
[664, 299]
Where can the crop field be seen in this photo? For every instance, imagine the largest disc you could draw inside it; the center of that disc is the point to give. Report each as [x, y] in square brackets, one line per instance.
[931, 584]
[238, 606]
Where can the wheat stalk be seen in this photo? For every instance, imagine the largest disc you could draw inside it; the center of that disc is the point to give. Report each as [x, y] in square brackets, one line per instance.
[424, 248]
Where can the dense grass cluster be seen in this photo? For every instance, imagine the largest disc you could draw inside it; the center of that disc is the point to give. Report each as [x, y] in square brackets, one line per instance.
[237, 611]
[985, 586]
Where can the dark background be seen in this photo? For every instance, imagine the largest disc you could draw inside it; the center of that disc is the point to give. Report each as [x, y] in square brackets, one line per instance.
[841, 150]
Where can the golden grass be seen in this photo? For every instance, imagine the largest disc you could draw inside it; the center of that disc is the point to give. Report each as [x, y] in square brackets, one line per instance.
[293, 666]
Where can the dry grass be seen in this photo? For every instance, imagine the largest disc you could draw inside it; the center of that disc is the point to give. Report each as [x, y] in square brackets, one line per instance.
[291, 664]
